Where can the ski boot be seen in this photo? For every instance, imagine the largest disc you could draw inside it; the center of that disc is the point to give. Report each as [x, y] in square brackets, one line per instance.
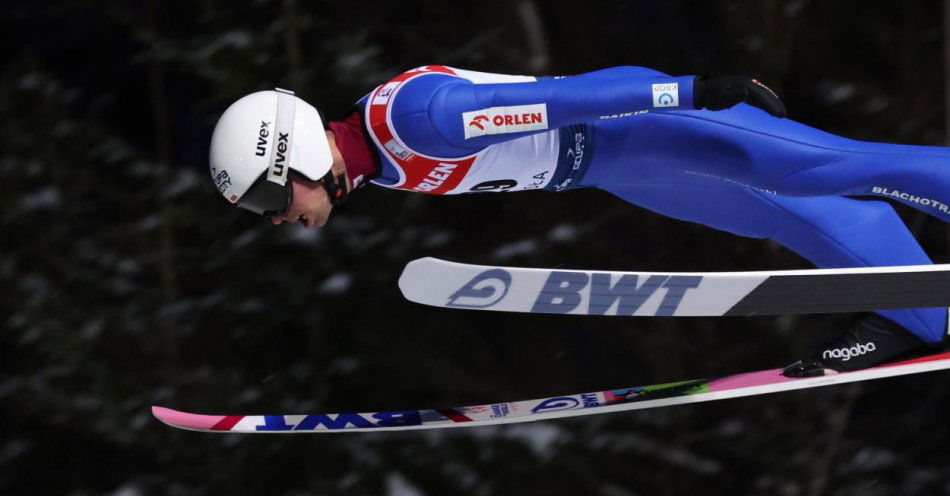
[870, 340]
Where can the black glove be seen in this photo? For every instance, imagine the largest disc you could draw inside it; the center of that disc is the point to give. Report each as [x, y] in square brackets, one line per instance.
[722, 92]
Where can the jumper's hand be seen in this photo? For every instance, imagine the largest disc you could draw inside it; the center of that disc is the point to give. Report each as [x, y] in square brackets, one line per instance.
[722, 92]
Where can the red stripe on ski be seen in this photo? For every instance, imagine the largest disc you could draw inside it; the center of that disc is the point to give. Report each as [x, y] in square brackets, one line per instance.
[454, 415]
[227, 423]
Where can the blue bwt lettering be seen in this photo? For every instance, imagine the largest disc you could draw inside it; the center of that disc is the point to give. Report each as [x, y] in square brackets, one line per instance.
[562, 292]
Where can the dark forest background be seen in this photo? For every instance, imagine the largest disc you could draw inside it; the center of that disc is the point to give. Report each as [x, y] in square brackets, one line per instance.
[126, 281]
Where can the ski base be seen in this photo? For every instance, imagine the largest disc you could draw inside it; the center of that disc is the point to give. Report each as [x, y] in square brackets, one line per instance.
[615, 400]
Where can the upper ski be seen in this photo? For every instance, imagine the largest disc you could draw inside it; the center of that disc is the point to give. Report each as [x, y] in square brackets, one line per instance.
[441, 283]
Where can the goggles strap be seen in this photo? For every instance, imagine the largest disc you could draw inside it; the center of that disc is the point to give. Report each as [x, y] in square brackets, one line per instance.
[336, 187]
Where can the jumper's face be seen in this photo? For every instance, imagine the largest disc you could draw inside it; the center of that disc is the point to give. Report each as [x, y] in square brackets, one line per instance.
[311, 205]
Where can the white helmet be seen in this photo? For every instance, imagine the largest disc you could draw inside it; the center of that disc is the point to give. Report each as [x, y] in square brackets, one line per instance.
[257, 140]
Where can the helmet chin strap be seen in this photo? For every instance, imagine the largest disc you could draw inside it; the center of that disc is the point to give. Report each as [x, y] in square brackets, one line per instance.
[335, 184]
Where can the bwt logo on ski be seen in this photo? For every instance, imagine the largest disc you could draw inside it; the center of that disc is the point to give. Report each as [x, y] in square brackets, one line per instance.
[845, 354]
[483, 291]
[563, 292]
[503, 120]
[339, 421]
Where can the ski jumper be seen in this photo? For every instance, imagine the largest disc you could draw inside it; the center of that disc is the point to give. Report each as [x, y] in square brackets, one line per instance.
[633, 132]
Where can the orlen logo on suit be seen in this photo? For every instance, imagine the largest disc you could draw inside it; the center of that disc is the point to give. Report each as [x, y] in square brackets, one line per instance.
[503, 120]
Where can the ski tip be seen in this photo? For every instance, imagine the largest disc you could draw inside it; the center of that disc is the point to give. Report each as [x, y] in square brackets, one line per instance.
[168, 416]
[415, 274]
[403, 281]
[192, 421]
[162, 413]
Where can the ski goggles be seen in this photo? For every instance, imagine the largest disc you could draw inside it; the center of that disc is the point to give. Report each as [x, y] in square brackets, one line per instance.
[272, 193]
[268, 198]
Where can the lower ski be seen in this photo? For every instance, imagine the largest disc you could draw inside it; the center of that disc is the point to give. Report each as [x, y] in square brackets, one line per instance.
[616, 400]
[440, 283]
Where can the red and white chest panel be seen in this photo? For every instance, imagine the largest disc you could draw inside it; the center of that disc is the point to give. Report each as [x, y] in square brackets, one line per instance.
[520, 164]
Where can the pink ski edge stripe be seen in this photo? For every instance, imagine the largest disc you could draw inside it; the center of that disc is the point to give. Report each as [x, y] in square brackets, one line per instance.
[749, 379]
[193, 421]
[928, 358]
[774, 376]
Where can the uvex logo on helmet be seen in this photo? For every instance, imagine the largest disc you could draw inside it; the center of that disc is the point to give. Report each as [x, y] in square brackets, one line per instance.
[262, 135]
[280, 158]
[845, 354]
